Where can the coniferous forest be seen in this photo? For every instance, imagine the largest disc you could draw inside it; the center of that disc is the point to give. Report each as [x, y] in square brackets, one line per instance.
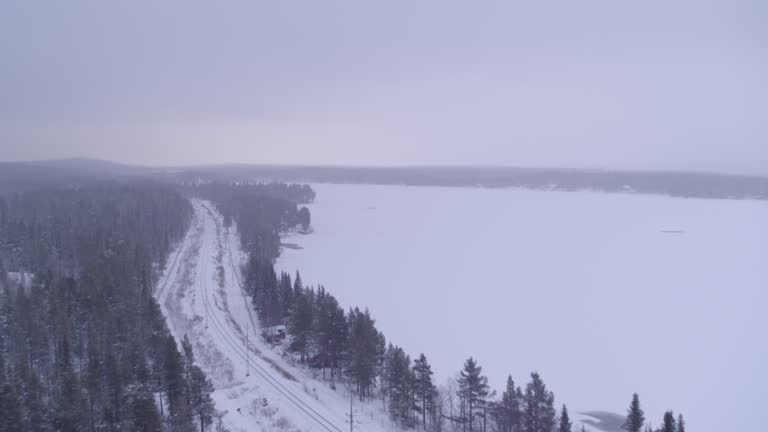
[85, 347]
[83, 344]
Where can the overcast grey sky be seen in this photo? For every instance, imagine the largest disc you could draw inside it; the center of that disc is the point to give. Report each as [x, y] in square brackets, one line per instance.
[658, 84]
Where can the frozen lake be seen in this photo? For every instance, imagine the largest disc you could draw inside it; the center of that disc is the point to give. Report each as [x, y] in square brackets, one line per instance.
[603, 294]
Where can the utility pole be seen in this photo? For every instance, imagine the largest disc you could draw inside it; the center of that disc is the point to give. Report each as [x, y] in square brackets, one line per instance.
[351, 413]
[247, 352]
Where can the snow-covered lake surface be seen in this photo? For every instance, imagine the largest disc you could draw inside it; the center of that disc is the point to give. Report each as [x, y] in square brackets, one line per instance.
[603, 294]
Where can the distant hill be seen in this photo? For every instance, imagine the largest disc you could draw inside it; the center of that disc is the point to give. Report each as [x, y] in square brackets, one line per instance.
[20, 176]
[85, 165]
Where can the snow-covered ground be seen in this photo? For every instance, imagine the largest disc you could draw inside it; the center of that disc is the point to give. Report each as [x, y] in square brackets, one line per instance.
[603, 294]
[201, 296]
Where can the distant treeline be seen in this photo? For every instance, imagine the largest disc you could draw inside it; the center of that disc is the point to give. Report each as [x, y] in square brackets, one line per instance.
[350, 350]
[262, 211]
[678, 184]
[83, 343]
[79, 172]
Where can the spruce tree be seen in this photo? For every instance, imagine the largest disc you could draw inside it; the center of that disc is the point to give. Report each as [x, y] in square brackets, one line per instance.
[286, 294]
[565, 421]
[680, 423]
[272, 308]
[298, 287]
[669, 422]
[635, 416]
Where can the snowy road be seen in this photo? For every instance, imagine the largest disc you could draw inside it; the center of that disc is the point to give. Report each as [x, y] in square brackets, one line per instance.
[201, 296]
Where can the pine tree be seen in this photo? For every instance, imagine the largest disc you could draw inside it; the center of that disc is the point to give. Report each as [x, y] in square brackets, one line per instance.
[35, 411]
[338, 336]
[399, 386]
[565, 421]
[423, 387]
[114, 384]
[362, 358]
[539, 413]
[187, 352]
[473, 389]
[680, 423]
[300, 325]
[68, 407]
[507, 412]
[141, 406]
[330, 332]
[635, 416]
[10, 412]
[173, 377]
[201, 402]
[188, 357]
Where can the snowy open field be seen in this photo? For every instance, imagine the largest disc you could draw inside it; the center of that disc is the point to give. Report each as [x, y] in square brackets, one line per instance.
[603, 294]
